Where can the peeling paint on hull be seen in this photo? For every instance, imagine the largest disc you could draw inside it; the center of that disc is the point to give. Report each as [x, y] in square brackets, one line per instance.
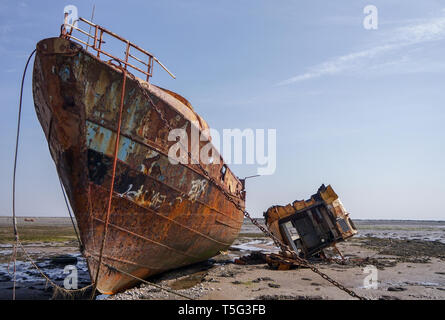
[163, 216]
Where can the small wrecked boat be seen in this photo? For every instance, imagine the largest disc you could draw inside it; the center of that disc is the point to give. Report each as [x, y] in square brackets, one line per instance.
[158, 215]
[309, 226]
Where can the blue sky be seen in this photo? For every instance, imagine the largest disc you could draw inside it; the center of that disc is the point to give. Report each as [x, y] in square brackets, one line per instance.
[362, 110]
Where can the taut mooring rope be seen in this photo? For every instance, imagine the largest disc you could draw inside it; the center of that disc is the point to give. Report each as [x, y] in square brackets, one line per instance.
[14, 219]
[17, 242]
[69, 211]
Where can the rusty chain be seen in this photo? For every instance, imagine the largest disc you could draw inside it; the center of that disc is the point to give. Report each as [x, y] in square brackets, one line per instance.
[229, 197]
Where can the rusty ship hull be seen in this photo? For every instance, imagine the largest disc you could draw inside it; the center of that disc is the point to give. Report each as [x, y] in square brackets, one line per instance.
[163, 215]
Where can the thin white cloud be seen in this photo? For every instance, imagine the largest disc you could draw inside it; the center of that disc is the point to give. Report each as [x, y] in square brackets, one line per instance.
[398, 38]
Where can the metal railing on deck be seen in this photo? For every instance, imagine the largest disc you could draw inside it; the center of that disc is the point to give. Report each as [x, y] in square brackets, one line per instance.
[97, 37]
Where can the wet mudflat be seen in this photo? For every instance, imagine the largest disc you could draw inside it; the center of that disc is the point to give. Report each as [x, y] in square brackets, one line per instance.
[52, 244]
[409, 258]
[399, 276]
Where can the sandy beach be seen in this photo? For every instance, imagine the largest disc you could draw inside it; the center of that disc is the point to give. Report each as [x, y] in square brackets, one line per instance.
[409, 257]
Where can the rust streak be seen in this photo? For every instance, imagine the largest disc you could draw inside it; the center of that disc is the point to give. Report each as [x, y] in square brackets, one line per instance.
[145, 238]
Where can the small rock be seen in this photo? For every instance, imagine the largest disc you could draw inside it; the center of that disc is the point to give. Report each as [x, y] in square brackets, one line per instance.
[266, 279]
[315, 284]
[273, 285]
[396, 289]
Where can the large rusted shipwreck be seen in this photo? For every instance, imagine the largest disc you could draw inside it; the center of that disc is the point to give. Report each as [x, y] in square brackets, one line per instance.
[309, 226]
[159, 215]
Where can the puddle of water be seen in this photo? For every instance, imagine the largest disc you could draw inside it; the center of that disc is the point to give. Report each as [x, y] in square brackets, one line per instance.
[5, 252]
[403, 235]
[188, 281]
[27, 274]
[255, 245]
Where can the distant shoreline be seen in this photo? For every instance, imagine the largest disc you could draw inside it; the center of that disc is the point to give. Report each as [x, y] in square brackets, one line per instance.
[359, 220]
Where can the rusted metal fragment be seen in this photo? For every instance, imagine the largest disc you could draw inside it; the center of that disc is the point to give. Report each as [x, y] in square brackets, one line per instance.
[308, 227]
[279, 262]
